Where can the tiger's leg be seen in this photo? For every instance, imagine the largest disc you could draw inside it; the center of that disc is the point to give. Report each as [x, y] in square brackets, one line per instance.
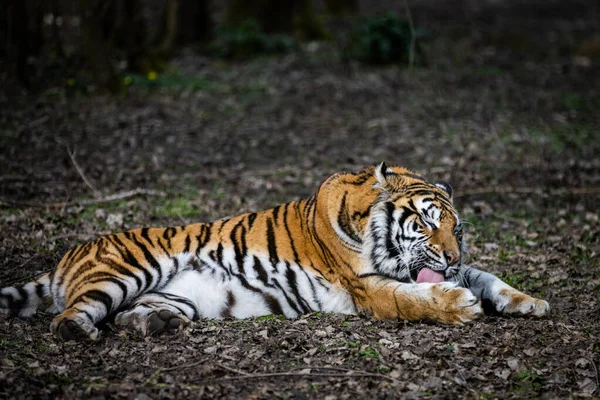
[168, 309]
[156, 313]
[443, 302]
[103, 287]
[500, 296]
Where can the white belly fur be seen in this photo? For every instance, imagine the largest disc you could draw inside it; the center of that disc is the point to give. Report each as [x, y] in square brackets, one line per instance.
[212, 289]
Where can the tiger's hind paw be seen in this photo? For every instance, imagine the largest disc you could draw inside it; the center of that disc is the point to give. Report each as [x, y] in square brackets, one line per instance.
[152, 322]
[73, 328]
[164, 321]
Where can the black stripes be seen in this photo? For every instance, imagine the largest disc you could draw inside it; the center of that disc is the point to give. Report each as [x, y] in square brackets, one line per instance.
[229, 304]
[289, 233]
[261, 272]
[97, 296]
[271, 244]
[344, 221]
[238, 238]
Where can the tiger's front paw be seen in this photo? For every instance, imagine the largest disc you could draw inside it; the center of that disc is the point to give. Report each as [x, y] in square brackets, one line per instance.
[510, 301]
[455, 305]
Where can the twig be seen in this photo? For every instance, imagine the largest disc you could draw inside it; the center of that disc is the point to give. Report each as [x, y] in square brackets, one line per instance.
[596, 373]
[413, 38]
[80, 171]
[278, 374]
[185, 222]
[154, 375]
[334, 369]
[106, 199]
[35, 124]
[528, 190]
[184, 366]
[159, 371]
[236, 371]
[22, 265]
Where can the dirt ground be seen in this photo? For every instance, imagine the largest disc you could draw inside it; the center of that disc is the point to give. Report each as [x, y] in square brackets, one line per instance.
[506, 110]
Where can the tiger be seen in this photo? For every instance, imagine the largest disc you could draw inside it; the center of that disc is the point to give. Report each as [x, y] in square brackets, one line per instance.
[382, 241]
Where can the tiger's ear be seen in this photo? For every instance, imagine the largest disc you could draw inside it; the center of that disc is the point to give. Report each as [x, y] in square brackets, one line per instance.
[446, 187]
[382, 171]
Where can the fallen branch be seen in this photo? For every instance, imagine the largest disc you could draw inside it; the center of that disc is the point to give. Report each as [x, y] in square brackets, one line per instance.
[184, 366]
[236, 371]
[21, 265]
[279, 374]
[106, 199]
[411, 24]
[350, 374]
[584, 191]
[81, 174]
[35, 124]
[159, 371]
[591, 360]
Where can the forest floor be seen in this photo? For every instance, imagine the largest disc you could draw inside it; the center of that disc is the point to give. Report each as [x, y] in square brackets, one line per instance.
[504, 111]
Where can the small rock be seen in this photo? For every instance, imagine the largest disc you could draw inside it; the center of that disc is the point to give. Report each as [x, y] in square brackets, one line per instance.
[100, 214]
[211, 350]
[504, 374]
[490, 246]
[530, 352]
[115, 220]
[514, 364]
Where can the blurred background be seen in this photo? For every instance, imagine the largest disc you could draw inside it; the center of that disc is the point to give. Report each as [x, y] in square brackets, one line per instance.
[120, 114]
[142, 90]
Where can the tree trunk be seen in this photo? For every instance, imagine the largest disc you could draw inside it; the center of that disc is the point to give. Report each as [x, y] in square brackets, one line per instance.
[165, 37]
[135, 41]
[35, 20]
[194, 22]
[342, 7]
[272, 16]
[17, 38]
[307, 23]
[95, 49]
[276, 16]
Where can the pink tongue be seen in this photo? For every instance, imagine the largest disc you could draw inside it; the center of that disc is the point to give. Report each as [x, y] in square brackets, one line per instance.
[428, 275]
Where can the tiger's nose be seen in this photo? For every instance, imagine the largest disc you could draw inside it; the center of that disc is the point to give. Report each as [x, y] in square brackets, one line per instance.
[451, 257]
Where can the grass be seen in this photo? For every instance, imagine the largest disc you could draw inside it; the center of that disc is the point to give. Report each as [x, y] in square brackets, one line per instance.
[369, 353]
[271, 317]
[526, 382]
[520, 282]
[178, 207]
[175, 81]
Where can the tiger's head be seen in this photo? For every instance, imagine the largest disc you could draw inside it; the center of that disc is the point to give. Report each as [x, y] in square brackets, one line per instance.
[414, 233]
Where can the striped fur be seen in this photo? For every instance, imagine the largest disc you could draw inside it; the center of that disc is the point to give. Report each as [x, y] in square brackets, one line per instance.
[358, 244]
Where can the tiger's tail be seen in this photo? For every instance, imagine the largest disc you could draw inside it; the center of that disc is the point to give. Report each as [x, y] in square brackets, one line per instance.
[24, 301]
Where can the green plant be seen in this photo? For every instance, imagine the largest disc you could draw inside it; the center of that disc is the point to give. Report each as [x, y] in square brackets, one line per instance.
[525, 381]
[247, 40]
[173, 80]
[369, 352]
[385, 39]
[271, 317]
